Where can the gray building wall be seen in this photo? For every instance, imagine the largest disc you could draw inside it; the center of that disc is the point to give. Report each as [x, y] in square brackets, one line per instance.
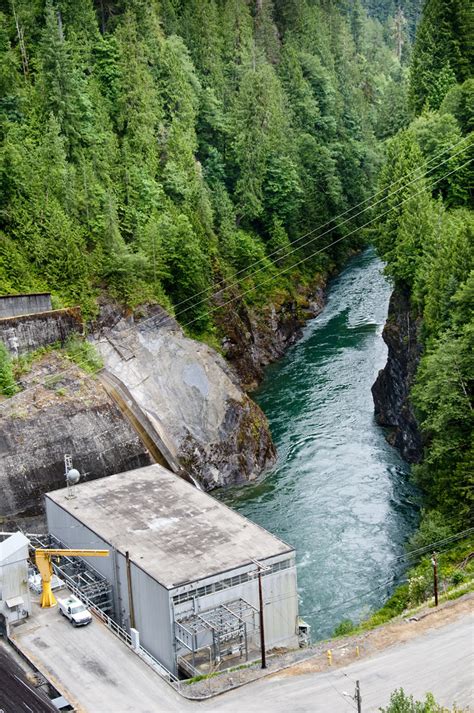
[279, 595]
[151, 600]
[14, 305]
[153, 604]
[23, 334]
[14, 580]
[152, 609]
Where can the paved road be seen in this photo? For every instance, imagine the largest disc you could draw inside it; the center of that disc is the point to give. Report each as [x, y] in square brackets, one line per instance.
[441, 661]
[91, 666]
[93, 669]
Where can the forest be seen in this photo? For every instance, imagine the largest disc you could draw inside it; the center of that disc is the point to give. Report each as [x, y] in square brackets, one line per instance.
[426, 241]
[159, 150]
[154, 150]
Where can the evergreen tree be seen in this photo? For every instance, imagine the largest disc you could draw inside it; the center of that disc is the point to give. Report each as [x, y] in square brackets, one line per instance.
[442, 54]
[247, 123]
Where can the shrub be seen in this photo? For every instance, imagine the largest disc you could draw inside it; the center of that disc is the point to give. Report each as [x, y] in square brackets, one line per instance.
[433, 528]
[346, 626]
[401, 703]
[83, 354]
[458, 577]
[417, 589]
[8, 386]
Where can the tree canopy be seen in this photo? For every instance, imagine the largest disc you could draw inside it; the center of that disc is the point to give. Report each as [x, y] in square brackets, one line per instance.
[149, 148]
[427, 242]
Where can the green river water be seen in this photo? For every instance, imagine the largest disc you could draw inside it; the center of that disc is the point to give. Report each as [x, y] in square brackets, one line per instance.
[338, 493]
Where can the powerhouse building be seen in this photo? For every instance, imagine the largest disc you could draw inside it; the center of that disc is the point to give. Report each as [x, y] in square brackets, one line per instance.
[183, 567]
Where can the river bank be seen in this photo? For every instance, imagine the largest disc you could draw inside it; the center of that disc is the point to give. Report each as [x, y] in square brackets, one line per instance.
[182, 390]
[339, 492]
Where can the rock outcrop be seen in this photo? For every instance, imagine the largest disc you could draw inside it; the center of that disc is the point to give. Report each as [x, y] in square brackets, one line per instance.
[255, 338]
[62, 410]
[393, 408]
[191, 395]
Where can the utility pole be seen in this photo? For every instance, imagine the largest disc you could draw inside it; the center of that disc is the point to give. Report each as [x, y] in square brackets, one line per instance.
[358, 698]
[261, 568]
[434, 562]
[262, 626]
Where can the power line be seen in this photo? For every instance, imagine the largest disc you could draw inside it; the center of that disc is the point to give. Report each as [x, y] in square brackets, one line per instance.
[312, 255]
[430, 547]
[342, 695]
[296, 248]
[272, 277]
[351, 599]
[427, 548]
[337, 217]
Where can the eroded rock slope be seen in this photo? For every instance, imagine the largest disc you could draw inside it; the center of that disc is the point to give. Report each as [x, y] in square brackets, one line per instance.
[192, 396]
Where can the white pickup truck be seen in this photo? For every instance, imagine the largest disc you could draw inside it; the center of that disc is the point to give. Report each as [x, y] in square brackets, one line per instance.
[77, 612]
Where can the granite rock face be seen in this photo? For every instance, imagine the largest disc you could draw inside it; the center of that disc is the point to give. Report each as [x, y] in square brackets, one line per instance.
[191, 395]
[255, 339]
[72, 414]
[393, 408]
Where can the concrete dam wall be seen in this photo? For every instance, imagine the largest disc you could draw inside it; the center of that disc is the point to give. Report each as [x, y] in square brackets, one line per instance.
[26, 333]
[15, 305]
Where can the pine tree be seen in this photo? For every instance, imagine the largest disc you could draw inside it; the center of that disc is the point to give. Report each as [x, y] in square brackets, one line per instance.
[406, 214]
[63, 88]
[442, 54]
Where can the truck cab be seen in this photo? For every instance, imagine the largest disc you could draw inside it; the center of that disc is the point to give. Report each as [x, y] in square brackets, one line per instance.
[74, 610]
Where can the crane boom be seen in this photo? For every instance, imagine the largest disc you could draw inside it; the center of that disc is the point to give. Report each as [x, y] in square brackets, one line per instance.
[45, 568]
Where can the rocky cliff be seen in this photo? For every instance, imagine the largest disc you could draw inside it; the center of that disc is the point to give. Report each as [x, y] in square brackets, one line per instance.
[255, 338]
[184, 392]
[191, 395]
[393, 408]
[62, 410]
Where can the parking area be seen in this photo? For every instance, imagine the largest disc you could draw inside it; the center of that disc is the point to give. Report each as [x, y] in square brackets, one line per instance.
[90, 666]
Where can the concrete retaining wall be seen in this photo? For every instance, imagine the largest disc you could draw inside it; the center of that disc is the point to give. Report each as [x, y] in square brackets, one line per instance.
[15, 305]
[28, 332]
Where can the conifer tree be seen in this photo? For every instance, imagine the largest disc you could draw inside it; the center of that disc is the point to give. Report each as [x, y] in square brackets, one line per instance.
[442, 54]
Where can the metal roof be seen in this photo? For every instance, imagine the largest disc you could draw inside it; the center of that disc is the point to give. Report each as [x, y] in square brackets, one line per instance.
[175, 532]
[12, 546]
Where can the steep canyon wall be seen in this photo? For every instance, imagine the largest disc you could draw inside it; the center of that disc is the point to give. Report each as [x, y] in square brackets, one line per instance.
[393, 409]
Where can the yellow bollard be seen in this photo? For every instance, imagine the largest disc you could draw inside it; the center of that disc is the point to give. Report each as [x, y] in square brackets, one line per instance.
[357, 651]
[330, 657]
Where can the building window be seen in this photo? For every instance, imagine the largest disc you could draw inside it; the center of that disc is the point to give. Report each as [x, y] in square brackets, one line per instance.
[230, 582]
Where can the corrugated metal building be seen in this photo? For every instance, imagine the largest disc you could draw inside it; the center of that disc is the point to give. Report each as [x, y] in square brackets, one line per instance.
[182, 566]
[15, 601]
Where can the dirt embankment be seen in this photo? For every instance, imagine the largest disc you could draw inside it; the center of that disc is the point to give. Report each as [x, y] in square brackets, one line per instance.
[343, 651]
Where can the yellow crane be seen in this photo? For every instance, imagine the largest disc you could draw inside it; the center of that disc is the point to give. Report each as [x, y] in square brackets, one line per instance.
[45, 568]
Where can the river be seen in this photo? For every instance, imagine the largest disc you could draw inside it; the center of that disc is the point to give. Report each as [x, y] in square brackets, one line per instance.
[339, 492]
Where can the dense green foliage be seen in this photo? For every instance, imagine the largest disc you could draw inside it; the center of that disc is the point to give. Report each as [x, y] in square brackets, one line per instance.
[427, 242]
[84, 354]
[408, 11]
[8, 385]
[153, 149]
[443, 54]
